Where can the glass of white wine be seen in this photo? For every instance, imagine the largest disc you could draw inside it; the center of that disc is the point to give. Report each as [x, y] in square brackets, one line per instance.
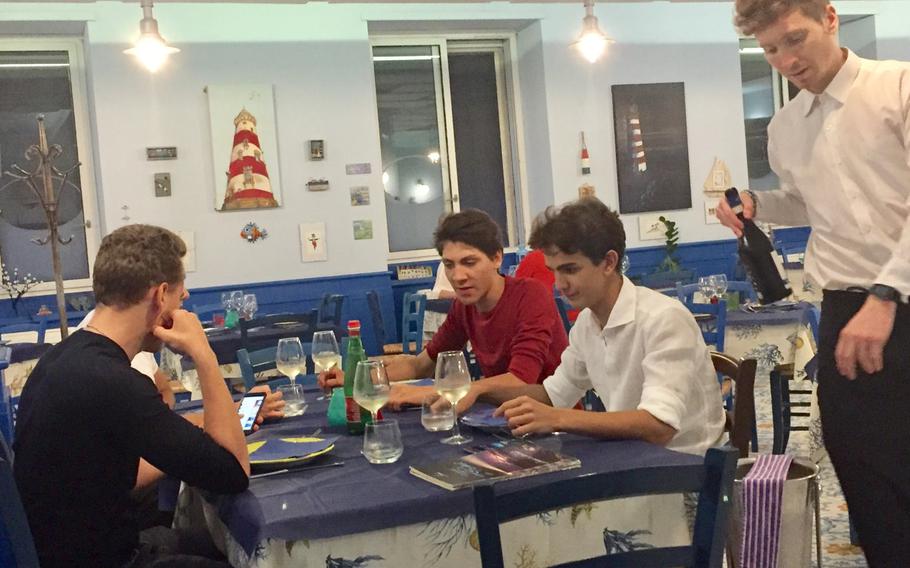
[371, 386]
[453, 381]
[290, 359]
[326, 355]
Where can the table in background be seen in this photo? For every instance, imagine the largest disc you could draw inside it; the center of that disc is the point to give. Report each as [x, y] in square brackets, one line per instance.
[434, 316]
[359, 513]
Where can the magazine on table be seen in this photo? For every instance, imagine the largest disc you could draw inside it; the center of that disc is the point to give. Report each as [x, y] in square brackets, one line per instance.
[504, 460]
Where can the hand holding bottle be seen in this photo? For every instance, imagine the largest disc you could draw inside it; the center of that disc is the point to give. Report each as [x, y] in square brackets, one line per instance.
[729, 219]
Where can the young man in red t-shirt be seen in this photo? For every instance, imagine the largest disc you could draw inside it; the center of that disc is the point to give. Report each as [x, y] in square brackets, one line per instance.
[512, 324]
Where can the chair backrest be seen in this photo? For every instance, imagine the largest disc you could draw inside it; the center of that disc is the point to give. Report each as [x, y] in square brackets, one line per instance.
[17, 547]
[379, 331]
[39, 326]
[306, 328]
[712, 331]
[261, 360]
[742, 418]
[563, 313]
[685, 292]
[330, 309]
[745, 289]
[712, 479]
[413, 307]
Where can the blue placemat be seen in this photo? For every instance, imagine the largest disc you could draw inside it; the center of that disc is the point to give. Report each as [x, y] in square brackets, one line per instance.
[290, 448]
[481, 416]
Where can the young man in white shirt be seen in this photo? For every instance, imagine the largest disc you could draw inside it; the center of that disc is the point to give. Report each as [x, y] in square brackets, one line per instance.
[841, 149]
[640, 350]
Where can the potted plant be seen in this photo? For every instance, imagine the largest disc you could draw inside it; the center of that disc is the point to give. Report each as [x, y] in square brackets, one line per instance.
[669, 271]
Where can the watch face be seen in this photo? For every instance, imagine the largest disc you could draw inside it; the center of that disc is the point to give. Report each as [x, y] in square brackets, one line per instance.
[886, 293]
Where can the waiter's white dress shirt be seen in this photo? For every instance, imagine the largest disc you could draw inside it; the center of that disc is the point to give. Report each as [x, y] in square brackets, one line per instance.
[843, 159]
[649, 356]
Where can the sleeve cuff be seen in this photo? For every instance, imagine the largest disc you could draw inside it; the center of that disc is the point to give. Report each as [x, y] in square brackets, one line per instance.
[664, 405]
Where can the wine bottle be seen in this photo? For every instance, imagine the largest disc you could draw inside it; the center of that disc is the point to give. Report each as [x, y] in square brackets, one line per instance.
[755, 252]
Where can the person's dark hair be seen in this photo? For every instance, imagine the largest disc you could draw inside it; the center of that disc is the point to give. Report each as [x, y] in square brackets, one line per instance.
[586, 226]
[755, 15]
[471, 227]
[133, 259]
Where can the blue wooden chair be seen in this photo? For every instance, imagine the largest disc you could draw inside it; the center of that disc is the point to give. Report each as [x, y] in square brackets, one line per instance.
[745, 289]
[330, 310]
[714, 328]
[712, 480]
[17, 547]
[685, 292]
[379, 329]
[253, 362]
[738, 375]
[307, 325]
[413, 307]
[39, 326]
[563, 313]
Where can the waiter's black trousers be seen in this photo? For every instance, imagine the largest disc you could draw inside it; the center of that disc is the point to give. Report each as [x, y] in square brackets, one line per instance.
[866, 425]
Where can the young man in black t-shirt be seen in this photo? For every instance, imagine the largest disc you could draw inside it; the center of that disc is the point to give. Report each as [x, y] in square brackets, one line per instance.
[91, 429]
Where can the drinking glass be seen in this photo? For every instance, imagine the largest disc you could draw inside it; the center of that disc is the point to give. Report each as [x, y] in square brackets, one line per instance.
[436, 414]
[720, 284]
[292, 395]
[226, 300]
[453, 381]
[237, 300]
[250, 306]
[326, 355]
[706, 287]
[290, 359]
[371, 386]
[382, 442]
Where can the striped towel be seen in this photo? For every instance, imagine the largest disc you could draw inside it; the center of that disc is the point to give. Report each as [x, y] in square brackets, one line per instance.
[763, 490]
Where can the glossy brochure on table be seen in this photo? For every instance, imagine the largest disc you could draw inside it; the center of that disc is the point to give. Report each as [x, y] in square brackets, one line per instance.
[509, 459]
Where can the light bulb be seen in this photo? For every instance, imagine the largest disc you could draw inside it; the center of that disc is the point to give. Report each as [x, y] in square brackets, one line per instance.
[152, 51]
[592, 43]
[434, 157]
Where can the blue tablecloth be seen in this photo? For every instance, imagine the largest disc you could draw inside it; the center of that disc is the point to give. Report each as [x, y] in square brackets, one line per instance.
[362, 497]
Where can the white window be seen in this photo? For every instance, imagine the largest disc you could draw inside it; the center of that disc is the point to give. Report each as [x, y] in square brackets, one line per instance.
[446, 121]
[46, 77]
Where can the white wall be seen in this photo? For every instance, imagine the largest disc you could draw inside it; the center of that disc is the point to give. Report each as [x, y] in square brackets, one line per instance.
[317, 57]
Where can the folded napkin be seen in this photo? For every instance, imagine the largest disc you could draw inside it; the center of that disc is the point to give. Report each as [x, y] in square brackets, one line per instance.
[763, 489]
[289, 448]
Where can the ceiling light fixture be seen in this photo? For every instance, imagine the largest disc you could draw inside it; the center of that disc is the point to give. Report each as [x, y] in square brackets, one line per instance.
[150, 49]
[592, 43]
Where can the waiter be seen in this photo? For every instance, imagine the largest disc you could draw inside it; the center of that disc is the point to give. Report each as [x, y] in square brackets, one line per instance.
[841, 149]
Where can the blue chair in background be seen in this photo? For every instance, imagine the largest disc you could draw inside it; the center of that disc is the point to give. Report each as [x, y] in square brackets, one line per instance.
[379, 329]
[253, 362]
[413, 307]
[712, 480]
[17, 547]
[685, 292]
[330, 310]
[744, 288]
[714, 325]
[39, 326]
[563, 312]
[297, 325]
[7, 412]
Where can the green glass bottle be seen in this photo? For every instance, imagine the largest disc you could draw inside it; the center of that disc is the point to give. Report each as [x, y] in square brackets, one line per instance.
[355, 354]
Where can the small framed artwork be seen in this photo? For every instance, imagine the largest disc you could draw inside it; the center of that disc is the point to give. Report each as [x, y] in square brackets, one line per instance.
[711, 211]
[312, 242]
[360, 195]
[650, 227]
[363, 229]
[317, 149]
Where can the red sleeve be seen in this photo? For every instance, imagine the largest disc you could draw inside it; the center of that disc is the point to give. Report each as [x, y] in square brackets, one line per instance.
[533, 332]
[452, 335]
[534, 266]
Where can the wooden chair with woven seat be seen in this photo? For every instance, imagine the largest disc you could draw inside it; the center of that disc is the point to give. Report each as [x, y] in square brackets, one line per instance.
[739, 379]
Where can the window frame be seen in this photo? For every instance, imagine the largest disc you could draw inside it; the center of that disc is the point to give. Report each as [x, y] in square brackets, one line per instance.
[503, 46]
[85, 147]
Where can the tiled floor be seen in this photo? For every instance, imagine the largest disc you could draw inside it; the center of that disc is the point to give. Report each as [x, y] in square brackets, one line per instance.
[837, 552]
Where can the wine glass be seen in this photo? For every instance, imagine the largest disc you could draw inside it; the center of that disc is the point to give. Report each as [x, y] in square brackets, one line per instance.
[326, 355]
[706, 287]
[290, 358]
[371, 386]
[226, 300]
[250, 306]
[453, 381]
[237, 300]
[720, 284]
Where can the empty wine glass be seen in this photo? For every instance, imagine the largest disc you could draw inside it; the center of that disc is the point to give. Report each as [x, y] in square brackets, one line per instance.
[226, 300]
[290, 359]
[326, 355]
[706, 287]
[720, 284]
[371, 386]
[453, 381]
[237, 300]
[250, 306]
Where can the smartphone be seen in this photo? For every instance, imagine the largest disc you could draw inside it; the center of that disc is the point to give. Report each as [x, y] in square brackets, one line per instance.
[250, 405]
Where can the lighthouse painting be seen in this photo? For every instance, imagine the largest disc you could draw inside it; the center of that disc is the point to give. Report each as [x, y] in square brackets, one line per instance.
[244, 147]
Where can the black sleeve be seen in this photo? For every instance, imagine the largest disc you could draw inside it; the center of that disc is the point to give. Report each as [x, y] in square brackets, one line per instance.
[151, 430]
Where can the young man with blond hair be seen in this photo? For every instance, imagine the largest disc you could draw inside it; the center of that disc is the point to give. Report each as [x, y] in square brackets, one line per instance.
[841, 149]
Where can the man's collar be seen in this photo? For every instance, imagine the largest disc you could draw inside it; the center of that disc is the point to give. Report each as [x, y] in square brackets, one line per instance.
[839, 87]
[623, 311]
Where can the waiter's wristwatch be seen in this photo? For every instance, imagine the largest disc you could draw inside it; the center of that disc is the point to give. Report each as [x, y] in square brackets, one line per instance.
[885, 293]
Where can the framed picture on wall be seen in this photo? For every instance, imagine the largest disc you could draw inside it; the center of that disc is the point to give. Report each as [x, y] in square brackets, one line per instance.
[652, 150]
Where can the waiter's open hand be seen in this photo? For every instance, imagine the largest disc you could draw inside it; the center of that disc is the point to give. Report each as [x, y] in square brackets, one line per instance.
[862, 341]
